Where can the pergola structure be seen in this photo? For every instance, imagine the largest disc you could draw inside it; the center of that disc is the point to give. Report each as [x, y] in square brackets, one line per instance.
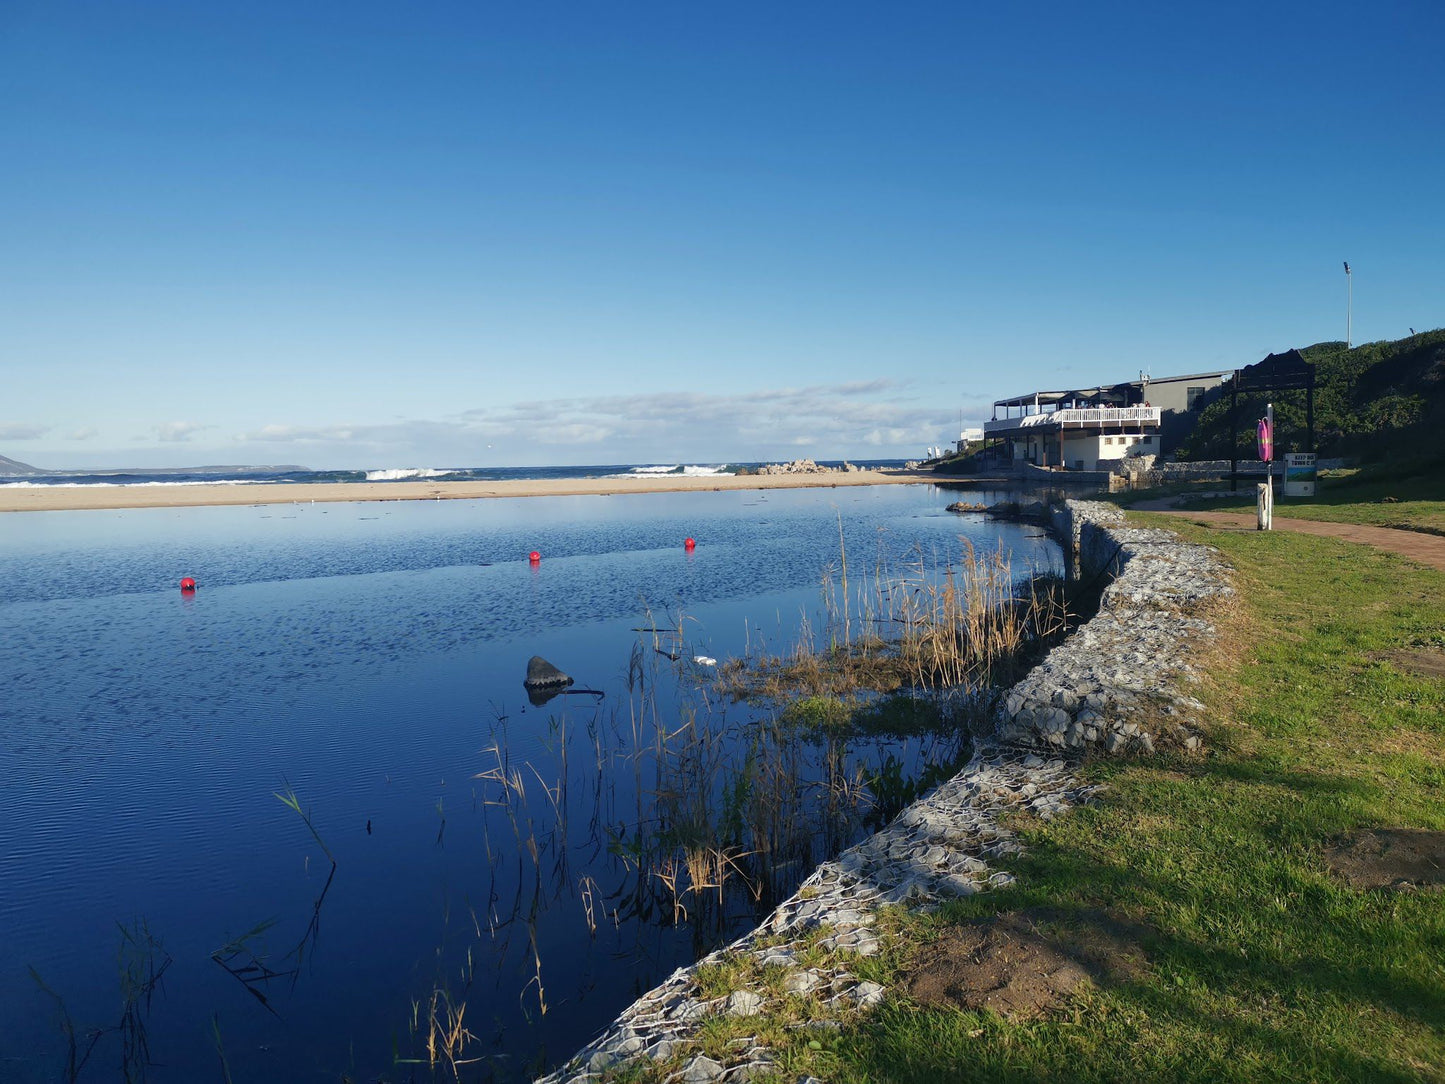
[1278, 372]
[1035, 401]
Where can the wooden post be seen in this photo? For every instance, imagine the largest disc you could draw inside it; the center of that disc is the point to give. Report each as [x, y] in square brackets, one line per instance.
[1234, 433]
[1310, 411]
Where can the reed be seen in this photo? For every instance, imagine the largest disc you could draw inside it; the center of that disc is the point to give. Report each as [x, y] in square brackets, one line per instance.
[142, 962]
[974, 626]
[220, 1048]
[704, 810]
[291, 801]
[444, 1035]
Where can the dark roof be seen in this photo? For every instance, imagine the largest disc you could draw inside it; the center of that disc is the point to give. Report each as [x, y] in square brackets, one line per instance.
[1221, 374]
[1108, 391]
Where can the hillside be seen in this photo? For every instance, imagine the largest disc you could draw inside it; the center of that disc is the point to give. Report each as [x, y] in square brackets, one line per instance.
[1382, 398]
[13, 468]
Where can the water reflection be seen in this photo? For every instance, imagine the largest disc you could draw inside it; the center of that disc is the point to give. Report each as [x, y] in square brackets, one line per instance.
[475, 874]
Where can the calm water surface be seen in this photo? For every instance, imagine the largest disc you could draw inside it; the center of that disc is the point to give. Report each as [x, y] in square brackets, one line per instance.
[369, 657]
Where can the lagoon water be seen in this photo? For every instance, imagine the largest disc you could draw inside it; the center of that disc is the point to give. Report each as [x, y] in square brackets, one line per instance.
[368, 658]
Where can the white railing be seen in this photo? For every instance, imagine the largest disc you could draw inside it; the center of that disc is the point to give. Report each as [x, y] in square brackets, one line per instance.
[1077, 416]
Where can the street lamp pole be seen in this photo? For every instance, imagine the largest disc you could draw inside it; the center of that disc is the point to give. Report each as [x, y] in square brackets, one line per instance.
[1349, 305]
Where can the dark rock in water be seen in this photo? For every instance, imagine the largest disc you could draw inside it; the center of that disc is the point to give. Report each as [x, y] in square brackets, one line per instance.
[964, 506]
[1032, 510]
[544, 681]
[541, 674]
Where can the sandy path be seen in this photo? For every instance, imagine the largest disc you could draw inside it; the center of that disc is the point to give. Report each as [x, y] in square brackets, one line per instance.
[55, 498]
[1427, 549]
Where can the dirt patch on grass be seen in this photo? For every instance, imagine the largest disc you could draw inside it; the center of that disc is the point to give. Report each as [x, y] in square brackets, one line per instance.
[1019, 964]
[1389, 858]
[1426, 662]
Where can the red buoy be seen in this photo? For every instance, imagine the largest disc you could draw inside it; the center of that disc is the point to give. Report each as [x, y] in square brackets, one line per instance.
[534, 557]
[689, 545]
[188, 584]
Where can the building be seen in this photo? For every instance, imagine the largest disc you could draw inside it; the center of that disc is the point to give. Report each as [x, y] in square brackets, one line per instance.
[1094, 428]
[970, 435]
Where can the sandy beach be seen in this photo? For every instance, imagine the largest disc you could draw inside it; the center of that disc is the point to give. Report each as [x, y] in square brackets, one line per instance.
[62, 498]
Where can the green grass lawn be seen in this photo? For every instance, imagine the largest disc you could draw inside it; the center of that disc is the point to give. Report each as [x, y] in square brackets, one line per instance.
[1261, 965]
[1417, 493]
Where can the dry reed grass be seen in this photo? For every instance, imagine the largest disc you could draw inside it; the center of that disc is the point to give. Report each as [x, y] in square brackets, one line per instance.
[973, 628]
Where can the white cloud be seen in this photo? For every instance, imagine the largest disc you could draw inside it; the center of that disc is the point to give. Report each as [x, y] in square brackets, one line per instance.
[301, 434]
[176, 431]
[819, 420]
[22, 431]
[84, 433]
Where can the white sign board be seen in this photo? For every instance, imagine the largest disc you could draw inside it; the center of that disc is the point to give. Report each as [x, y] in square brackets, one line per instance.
[1299, 474]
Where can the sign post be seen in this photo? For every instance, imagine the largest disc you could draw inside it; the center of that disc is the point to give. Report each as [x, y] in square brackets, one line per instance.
[1299, 474]
[1264, 492]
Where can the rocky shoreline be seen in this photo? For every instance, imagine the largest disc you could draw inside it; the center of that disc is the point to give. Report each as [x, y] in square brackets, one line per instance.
[1112, 686]
[807, 466]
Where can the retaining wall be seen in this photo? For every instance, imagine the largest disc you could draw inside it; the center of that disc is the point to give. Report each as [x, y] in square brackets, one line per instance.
[1113, 685]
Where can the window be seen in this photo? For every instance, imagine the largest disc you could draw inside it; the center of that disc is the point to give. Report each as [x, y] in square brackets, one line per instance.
[1192, 397]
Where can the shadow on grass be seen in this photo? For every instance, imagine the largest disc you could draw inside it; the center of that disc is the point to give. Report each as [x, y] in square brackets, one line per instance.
[1259, 966]
[902, 1046]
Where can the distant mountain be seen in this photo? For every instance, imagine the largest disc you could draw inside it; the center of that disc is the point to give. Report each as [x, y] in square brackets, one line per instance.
[1376, 400]
[214, 468]
[13, 468]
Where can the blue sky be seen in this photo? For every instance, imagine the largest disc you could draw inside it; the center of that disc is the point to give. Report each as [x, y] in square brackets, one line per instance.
[383, 234]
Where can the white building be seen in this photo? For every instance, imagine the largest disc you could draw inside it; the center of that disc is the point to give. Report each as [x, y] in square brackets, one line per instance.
[971, 435]
[1094, 428]
[1089, 429]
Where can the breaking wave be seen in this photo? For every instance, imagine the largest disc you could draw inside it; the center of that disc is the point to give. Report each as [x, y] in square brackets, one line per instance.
[398, 474]
[676, 470]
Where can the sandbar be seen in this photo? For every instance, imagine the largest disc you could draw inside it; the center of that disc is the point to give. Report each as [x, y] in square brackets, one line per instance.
[68, 498]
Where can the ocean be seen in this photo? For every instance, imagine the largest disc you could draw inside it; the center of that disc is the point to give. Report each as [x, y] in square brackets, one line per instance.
[258, 475]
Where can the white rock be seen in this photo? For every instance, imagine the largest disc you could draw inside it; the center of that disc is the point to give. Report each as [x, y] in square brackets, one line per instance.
[867, 994]
[701, 1070]
[801, 982]
[743, 1003]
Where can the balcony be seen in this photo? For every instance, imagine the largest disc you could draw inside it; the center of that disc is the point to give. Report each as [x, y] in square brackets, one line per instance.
[1076, 418]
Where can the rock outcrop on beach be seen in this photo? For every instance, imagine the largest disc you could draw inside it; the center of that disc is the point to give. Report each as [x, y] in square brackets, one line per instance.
[806, 466]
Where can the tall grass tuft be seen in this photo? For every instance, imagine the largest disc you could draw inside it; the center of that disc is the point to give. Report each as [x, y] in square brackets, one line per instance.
[974, 627]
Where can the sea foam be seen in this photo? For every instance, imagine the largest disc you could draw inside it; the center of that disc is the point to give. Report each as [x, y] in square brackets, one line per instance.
[676, 470]
[398, 474]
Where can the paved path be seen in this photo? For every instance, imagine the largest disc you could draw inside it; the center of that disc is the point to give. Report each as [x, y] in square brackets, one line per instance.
[1427, 549]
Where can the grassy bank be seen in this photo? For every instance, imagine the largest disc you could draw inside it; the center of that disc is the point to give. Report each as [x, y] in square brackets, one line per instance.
[1255, 962]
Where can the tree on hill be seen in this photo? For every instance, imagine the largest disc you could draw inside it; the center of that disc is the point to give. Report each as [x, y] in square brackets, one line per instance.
[1378, 399]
